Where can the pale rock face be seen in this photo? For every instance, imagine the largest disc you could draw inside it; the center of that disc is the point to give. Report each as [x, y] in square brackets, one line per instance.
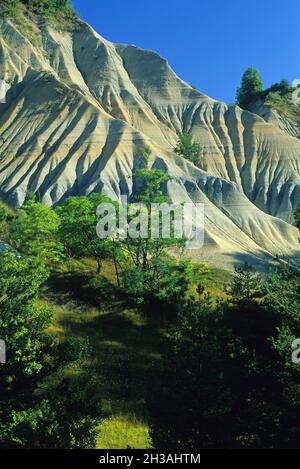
[80, 108]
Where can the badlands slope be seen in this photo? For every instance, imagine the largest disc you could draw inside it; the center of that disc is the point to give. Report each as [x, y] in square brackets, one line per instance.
[80, 108]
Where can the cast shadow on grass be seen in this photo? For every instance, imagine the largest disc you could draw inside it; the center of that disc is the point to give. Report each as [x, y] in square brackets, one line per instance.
[126, 344]
[83, 287]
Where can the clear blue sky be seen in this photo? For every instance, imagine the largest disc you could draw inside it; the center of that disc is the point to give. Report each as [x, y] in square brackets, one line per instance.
[209, 43]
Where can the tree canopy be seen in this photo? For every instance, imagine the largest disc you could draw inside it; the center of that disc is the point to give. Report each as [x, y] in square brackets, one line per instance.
[228, 380]
[251, 86]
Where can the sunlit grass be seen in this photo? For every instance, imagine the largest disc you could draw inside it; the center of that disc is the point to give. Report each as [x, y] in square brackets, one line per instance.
[215, 282]
[123, 431]
[126, 345]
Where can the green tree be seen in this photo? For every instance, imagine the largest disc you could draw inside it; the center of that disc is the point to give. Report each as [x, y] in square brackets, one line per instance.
[38, 409]
[146, 251]
[191, 400]
[231, 366]
[34, 231]
[283, 87]
[48, 6]
[21, 322]
[250, 89]
[246, 284]
[11, 7]
[189, 149]
[297, 216]
[280, 293]
[58, 12]
[149, 188]
[6, 216]
[62, 417]
[166, 284]
[77, 231]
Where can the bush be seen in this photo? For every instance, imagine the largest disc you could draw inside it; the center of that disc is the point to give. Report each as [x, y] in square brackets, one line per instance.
[39, 409]
[60, 13]
[228, 379]
[188, 149]
[165, 285]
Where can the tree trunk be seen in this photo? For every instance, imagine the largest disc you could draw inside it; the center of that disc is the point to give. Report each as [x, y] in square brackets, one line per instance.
[99, 266]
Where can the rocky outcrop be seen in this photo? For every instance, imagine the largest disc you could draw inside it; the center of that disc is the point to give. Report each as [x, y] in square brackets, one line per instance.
[288, 125]
[80, 108]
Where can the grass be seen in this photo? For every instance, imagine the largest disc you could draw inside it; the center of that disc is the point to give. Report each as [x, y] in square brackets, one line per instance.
[284, 106]
[9, 211]
[126, 350]
[25, 24]
[31, 18]
[127, 346]
[215, 281]
[121, 430]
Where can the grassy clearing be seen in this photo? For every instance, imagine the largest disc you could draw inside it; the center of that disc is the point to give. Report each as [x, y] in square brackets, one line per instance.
[127, 346]
[126, 351]
[215, 282]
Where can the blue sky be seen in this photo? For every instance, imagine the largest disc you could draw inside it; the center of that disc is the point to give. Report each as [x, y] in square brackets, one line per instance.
[209, 43]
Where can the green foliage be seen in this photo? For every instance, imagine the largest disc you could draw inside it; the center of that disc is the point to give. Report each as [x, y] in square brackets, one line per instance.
[281, 293]
[33, 231]
[166, 283]
[175, 281]
[283, 87]
[282, 103]
[151, 182]
[2, 215]
[6, 216]
[11, 8]
[125, 349]
[62, 419]
[30, 198]
[278, 96]
[149, 253]
[77, 231]
[245, 286]
[59, 91]
[189, 149]
[32, 416]
[21, 322]
[220, 358]
[297, 216]
[250, 89]
[227, 379]
[145, 156]
[150, 188]
[236, 385]
[134, 282]
[73, 349]
[58, 13]
[189, 402]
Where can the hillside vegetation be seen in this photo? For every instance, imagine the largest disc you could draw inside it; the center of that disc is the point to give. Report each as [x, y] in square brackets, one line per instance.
[79, 108]
[114, 343]
[127, 345]
[58, 13]
[283, 104]
[137, 341]
[279, 97]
